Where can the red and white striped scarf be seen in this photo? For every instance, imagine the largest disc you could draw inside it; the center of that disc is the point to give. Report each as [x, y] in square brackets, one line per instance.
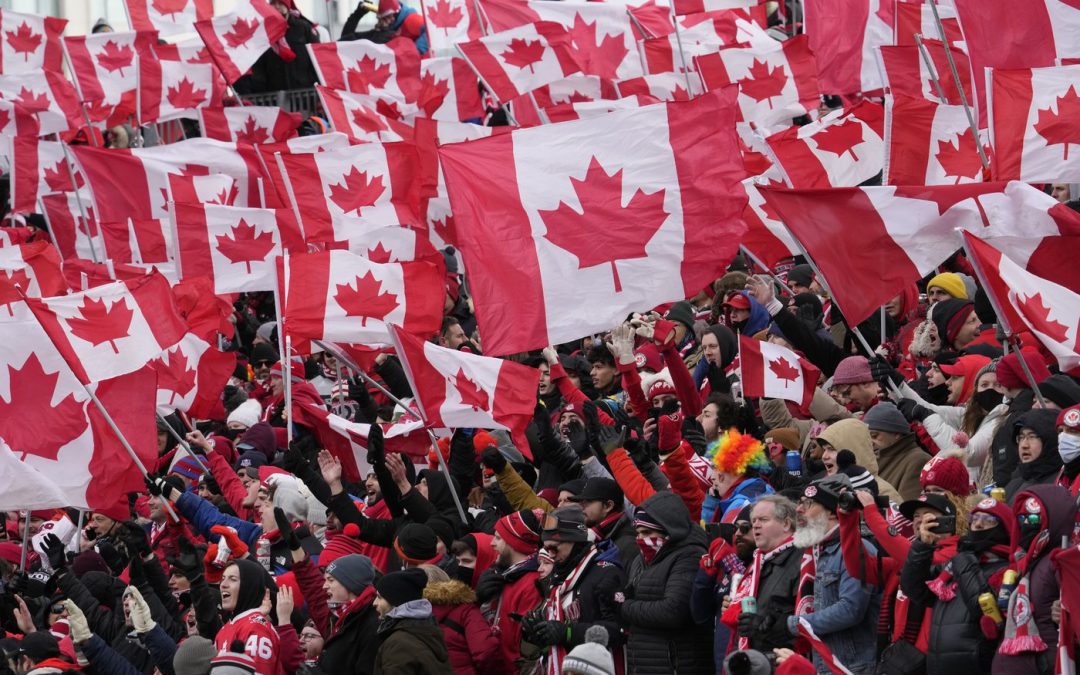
[752, 581]
[561, 606]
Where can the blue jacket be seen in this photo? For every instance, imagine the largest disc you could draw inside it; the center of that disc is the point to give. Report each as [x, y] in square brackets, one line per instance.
[105, 659]
[745, 493]
[422, 41]
[845, 612]
[203, 515]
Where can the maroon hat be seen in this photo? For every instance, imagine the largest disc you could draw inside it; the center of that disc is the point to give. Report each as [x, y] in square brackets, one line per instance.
[120, 511]
[947, 473]
[1069, 418]
[648, 356]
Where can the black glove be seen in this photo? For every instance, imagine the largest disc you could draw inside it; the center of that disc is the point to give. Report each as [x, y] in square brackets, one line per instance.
[579, 439]
[376, 454]
[489, 585]
[748, 623]
[159, 487]
[288, 534]
[189, 559]
[912, 411]
[493, 459]
[54, 551]
[592, 425]
[358, 391]
[90, 533]
[612, 438]
[33, 584]
[883, 372]
[296, 455]
[694, 434]
[135, 540]
[116, 559]
[542, 632]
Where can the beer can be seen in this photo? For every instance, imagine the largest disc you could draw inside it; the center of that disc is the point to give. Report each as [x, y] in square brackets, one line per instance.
[749, 605]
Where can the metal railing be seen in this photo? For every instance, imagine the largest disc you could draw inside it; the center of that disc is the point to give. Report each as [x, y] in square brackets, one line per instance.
[303, 101]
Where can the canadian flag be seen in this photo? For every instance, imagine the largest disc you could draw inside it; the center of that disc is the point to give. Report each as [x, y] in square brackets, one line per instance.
[168, 17]
[928, 143]
[16, 120]
[182, 88]
[906, 73]
[249, 124]
[40, 168]
[576, 88]
[214, 188]
[661, 86]
[33, 269]
[601, 39]
[771, 371]
[362, 66]
[339, 193]
[112, 329]
[844, 148]
[844, 37]
[348, 441]
[775, 84]
[1033, 122]
[695, 6]
[344, 297]
[26, 487]
[450, 22]
[659, 208]
[50, 424]
[565, 112]
[236, 40]
[513, 62]
[917, 18]
[106, 67]
[353, 115]
[73, 226]
[30, 43]
[675, 51]
[48, 96]
[138, 241]
[456, 389]
[905, 232]
[274, 192]
[654, 20]
[394, 245]
[191, 375]
[237, 247]
[1024, 300]
[766, 237]
[449, 91]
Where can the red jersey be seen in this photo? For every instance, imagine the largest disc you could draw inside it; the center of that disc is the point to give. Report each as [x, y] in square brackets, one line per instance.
[259, 638]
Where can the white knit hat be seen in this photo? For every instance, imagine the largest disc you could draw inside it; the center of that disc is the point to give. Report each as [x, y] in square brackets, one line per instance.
[247, 413]
[592, 656]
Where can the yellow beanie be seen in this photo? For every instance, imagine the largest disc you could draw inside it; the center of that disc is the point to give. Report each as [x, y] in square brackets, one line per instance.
[951, 283]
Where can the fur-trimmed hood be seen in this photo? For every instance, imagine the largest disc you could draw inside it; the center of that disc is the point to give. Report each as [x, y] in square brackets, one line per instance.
[451, 592]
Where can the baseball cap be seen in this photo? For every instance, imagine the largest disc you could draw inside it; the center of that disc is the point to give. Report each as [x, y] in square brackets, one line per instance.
[939, 503]
[600, 489]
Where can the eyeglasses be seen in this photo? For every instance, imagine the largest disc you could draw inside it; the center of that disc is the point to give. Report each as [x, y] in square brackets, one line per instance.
[983, 519]
[310, 636]
[1027, 437]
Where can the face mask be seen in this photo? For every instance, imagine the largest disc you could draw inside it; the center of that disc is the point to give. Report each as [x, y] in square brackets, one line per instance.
[982, 540]
[650, 546]
[988, 399]
[1068, 447]
[937, 395]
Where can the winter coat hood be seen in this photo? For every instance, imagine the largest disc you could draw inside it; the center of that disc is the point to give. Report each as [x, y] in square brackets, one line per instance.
[854, 435]
[668, 510]
[1057, 504]
[451, 592]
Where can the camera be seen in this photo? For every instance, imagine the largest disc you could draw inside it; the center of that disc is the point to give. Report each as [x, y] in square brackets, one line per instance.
[848, 501]
[945, 525]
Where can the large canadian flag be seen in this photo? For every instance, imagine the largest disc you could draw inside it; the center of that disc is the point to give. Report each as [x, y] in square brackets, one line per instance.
[928, 143]
[772, 371]
[513, 62]
[638, 224]
[340, 193]
[844, 37]
[450, 22]
[1023, 300]
[50, 424]
[776, 83]
[30, 43]
[113, 329]
[168, 17]
[236, 247]
[236, 40]
[362, 66]
[344, 297]
[106, 67]
[191, 375]
[249, 124]
[448, 90]
[906, 73]
[176, 89]
[456, 389]
[33, 269]
[48, 96]
[1033, 121]
[841, 149]
[275, 194]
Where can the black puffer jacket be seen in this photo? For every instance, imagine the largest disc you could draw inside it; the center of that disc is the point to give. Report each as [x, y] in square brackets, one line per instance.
[957, 645]
[663, 637]
[353, 645]
[1005, 456]
[776, 600]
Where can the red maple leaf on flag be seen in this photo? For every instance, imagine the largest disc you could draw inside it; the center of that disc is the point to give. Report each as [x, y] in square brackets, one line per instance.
[444, 227]
[252, 133]
[245, 246]
[113, 57]
[625, 230]
[524, 53]
[433, 92]
[35, 425]
[5, 117]
[368, 74]
[840, 138]
[471, 394]
[1062, 127]
[31, 101]
[176, 376]
[356, 191]
[680, 93]
[100, 324]
[367, 300]
[368, 121]
[601, 58]
[201, 56]
[960, 160]
[442, 15]
[8, 282]
[763, 83]
[185, 95]
[379, 254]
[169, 7]
[770, 212]
[57, 178]
[240, 32]
[783, 370]
[23, 40]
[1035, 311]
[388, 109]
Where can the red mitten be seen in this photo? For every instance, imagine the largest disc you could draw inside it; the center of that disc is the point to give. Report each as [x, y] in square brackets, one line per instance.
[663, 332]
[237, 548]
[989, 628]
[669, 429]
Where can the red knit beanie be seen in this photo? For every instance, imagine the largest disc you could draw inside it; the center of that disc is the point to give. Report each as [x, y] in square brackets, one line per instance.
[341, 544]
[520, 530]
[947, 473]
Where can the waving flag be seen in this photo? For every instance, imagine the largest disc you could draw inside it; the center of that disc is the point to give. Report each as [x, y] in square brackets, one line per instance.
[513, 62]
[907, 74]
[168, 17]
[362, 66]
[236, 247]
[354, 115]
[1032, 123]
[236, 40]
[47, 96]
[844, 37]
[450, 22]
[177, 89]
[455, 389]
[106, 67]
[138, 241]
[655, 204]
[766, 237]
[449, 91]
[26, 487]
[927, 143]
[249, 124]
[30, 43]
[40, 168]
[917, 18]
[34, 268]
[73, 226]
[771, 371]
[191, 375]
[274, 192]
[844, 148]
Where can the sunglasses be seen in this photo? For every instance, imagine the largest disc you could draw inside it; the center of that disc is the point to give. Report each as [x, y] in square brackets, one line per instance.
[742, 526]
[262, 364]
[1029, 519]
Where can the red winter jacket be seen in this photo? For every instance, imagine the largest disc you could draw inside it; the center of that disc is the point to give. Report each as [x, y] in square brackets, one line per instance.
[519, 596]
[473, 646]
[677, 469]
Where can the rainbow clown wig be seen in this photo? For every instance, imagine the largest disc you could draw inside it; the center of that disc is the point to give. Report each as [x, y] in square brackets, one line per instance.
[737, 454]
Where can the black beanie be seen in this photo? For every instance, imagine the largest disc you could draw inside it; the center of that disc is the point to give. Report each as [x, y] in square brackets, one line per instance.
[397, 588]
[442, 529]
[416, 544]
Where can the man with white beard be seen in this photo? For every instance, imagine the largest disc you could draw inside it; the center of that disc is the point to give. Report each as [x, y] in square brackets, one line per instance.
[845, 611]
